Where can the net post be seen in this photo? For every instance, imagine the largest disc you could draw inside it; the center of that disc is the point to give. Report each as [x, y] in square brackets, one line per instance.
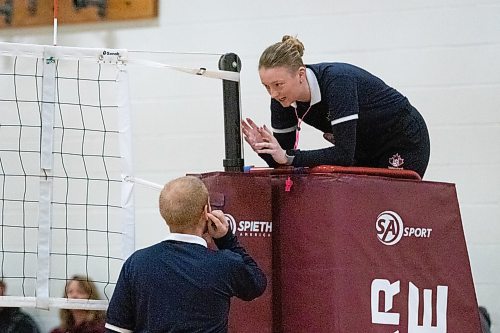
[232, 114]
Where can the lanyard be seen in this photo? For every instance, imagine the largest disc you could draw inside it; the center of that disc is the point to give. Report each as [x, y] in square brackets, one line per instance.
[299, 122]
[289, 182]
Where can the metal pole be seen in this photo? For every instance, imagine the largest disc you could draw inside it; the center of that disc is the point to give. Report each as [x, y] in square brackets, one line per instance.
[232, 114]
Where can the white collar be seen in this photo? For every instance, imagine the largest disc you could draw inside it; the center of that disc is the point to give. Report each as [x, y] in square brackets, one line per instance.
[186, 238]
[313, 88]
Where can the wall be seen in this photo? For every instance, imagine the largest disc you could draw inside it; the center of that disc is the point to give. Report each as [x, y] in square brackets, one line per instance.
[442, 54]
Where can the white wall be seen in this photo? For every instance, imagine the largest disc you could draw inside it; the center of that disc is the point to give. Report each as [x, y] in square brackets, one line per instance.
[442, 54]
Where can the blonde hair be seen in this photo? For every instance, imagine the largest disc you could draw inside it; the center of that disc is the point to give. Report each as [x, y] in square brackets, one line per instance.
[67, 320]
[182, 201]
[287, 53]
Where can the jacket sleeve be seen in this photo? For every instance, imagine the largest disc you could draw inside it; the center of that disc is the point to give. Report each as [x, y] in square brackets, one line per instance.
[342, 153]
[249, 280]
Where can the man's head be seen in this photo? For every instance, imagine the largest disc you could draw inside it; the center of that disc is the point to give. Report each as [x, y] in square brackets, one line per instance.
[184, 204]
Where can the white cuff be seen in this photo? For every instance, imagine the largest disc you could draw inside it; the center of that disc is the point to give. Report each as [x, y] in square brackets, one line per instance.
[284, 130]
[117, 329]
[343, 119]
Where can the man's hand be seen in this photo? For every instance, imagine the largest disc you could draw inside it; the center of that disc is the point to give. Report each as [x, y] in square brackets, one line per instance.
[217, 224]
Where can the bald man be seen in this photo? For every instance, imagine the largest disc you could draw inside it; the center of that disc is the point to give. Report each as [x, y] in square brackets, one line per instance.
[180, 285]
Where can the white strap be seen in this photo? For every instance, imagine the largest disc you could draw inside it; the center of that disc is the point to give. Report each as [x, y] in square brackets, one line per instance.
[46, 165]
[59, 303]
[43, 262]
[214, 74]
[344, 119]
[141, 181]
[127, 189]
[48, 107]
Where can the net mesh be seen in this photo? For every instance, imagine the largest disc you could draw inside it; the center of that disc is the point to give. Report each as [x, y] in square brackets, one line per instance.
[84, 180]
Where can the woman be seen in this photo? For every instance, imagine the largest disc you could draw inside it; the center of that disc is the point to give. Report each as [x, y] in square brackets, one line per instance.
[367, 122]
[81, 321]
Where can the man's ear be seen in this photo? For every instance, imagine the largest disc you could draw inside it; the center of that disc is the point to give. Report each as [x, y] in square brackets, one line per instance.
[206, 210]
[204, 220]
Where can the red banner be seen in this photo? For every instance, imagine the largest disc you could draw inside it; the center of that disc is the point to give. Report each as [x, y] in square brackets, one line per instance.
[351, 253]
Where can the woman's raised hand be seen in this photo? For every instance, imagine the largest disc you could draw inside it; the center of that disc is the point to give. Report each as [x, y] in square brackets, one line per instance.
[251, 133]
[270, 146]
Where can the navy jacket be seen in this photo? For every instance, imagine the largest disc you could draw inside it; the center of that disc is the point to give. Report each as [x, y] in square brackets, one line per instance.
[176, 286]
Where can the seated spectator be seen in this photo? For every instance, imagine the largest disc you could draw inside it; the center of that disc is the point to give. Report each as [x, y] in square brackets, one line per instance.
[77, 320]
[484, 317]
[14, 320]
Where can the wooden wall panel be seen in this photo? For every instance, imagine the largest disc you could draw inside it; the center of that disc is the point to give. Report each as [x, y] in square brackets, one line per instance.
[16, 13]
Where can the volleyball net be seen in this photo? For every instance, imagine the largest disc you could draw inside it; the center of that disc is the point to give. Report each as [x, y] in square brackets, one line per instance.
[66, 171]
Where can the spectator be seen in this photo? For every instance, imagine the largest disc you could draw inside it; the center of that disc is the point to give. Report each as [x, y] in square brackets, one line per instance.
[484, 317]
[13, 320]
[77, 320]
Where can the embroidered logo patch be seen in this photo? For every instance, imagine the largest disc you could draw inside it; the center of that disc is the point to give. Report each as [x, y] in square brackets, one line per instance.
[396, 161]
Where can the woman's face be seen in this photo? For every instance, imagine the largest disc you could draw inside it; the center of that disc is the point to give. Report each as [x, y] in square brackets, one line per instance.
[74, 290]
[282, 84]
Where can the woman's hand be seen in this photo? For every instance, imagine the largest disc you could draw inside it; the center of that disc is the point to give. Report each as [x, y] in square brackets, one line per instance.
[262, 141]
[329, 137]
[270, 146]
[251, 133]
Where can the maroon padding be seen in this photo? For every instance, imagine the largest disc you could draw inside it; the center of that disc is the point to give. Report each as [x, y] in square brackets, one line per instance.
[329, 253]
[384, 172]
[328, 169]
[326, 252]
[247, 199]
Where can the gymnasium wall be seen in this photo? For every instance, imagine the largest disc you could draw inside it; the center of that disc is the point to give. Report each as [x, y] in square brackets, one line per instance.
[442, 54]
